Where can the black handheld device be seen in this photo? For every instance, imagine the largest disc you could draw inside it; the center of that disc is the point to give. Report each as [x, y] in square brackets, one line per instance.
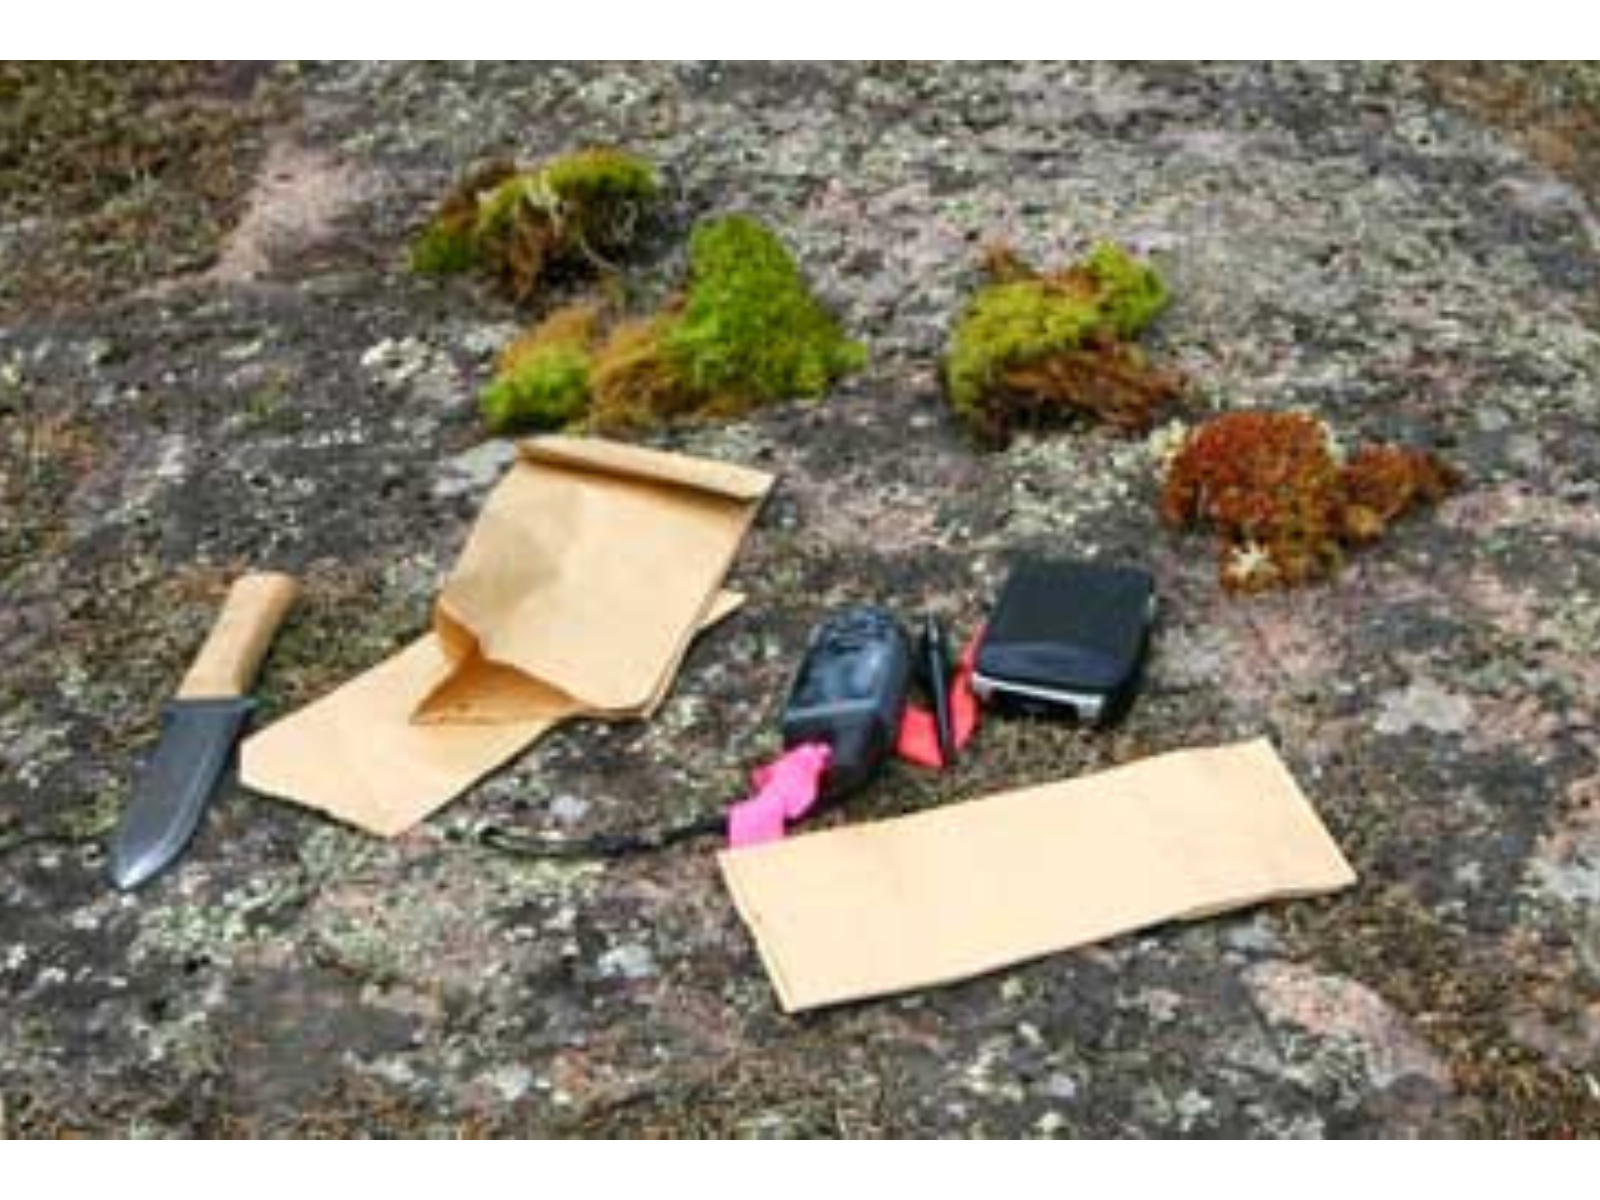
[850, 694]
[1067, 639]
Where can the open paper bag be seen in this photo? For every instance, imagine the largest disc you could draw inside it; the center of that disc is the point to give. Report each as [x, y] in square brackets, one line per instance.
[589, 570]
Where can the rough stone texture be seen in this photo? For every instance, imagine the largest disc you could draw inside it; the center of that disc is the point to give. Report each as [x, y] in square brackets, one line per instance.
[1409, 252]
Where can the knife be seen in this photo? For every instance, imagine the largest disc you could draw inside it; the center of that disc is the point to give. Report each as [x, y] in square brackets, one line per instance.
[199, 728]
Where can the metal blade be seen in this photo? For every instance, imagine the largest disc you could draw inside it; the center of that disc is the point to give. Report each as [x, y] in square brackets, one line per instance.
[171, 794]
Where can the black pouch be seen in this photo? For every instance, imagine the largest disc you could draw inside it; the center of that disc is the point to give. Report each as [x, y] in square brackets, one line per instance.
[1067, 639]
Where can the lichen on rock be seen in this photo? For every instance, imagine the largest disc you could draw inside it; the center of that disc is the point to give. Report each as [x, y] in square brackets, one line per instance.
[1034, 348]
[577, 211]
[1283, 503]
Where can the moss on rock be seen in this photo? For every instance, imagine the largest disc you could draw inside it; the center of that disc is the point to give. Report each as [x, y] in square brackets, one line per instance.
[636, 383]
[573, 212]
[1031, 347]
[746, 332]
[550, 390]
[1283, 503]
[543, 379]
[750, 326]
[116, 174]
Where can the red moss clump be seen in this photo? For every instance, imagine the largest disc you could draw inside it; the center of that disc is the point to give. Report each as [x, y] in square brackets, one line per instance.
[1283, 504]
[1382, 482]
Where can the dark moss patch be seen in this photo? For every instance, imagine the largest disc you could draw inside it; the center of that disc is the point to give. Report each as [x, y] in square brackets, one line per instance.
[1552, 108]
[41, 459]
[571, 214]
[1459, 994]
[790, 1093]
[113, 175]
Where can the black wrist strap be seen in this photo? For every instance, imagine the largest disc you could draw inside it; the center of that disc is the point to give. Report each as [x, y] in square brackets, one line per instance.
[596, 846]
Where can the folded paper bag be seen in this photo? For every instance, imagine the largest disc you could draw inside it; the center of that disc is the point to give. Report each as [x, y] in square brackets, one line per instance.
[954, 892]
[583, 581]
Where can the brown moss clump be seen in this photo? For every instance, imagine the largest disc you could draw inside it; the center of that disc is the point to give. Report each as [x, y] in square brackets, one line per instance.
[1111, 380]
[1382, 482]
[1033, 349]
[574, 324]
[573, 212]
[1283, 504]
[636, 383]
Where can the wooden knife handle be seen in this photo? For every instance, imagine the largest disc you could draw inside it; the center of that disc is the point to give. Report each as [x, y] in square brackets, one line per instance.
[226, 664]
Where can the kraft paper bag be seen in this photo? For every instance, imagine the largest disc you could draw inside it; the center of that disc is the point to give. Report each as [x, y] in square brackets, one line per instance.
[587, 574]
[954, 892]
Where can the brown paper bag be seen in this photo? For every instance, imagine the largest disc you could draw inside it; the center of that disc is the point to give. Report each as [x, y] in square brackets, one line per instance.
[866, 910]
[589, 570]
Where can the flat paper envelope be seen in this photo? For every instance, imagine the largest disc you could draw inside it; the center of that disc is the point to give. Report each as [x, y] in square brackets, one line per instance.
[587, 574]
[953, 892]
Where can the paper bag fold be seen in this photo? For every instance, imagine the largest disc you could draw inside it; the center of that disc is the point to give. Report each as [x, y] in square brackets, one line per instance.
[954, 892]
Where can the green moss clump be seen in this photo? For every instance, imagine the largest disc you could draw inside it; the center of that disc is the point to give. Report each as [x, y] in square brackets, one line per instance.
[1024, 319]
[547, 392]
[444, 249]
[747, 331]
[600, 191]
[571, 212]
[1130, 295]
[750, 326]
[543, 378]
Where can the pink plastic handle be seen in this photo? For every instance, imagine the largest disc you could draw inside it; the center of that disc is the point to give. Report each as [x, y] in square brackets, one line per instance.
[786, 788]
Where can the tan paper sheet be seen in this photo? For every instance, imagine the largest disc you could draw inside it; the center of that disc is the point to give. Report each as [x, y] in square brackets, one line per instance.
[587, 574]
[947, 894]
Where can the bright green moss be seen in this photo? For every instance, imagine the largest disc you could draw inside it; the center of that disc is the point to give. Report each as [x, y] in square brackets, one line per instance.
[1131, 294]
[1007, 324]
[749, 326]
[1012, 323]
[549, 388]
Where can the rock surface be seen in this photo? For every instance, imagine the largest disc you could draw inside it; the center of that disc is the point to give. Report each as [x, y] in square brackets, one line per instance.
[1412, 253]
